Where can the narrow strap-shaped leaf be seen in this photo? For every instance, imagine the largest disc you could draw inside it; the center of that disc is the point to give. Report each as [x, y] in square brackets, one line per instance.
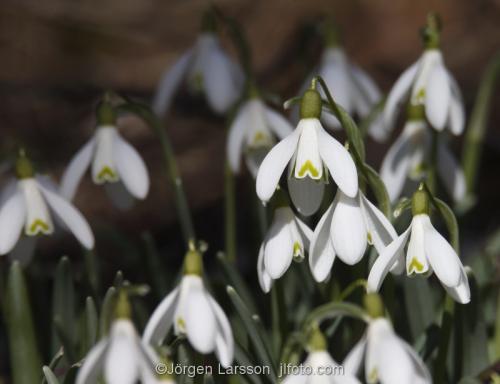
[65, 340]
[155, 266]
[242, 358]
[91, 326]
[63, 303]
[379, 189]
[107, 311]
[49, 375]
[25, 360]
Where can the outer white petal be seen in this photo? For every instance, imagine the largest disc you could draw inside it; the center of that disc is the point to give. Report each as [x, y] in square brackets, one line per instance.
[93, 363]
[224, 342]
[339, 162]
[321, 252]
[201, 325]
[353, 360]
[457, 112]
[437, 97]
[306, 194]
[460, 293]
[70, 216]
[397, 95]
[274, 164]
[336, 75]
[377, 129]
[121, 361]
[76, 169]
[305, 232]
[420, 367]
[265, 281]
[380, 229]
[385, 261]
[348, 230]
[442, 257]
[131, 168]
[236, 137]
[161, 320]
[12, 219]
[8, 189]
[451, 173]
[278, 249]
[366, 83]
[278, 123]
[119, 195]
[393, 363]
[169, 83]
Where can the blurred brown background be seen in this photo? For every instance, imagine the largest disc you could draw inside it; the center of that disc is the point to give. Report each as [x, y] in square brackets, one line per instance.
[58, 55]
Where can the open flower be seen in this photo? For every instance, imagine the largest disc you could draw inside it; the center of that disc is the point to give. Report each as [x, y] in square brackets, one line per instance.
[119, 358]
[27, 209]
[192, 312]
[310, 153]
[288, 238]
[253, 133]
[387, 358]
[427, 251]
[407, 159]
[114, 163]
[207, 69]
[344, 230]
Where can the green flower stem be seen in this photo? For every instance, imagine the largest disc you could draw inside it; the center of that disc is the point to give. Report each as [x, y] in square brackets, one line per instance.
[444, 341]
[170, 162]
[359, 283]
[230, 213]
[476, 129]
[278, 316]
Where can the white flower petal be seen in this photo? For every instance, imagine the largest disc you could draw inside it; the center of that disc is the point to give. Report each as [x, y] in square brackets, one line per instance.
[119, 195]
[161, 320]
[366, 83]
[460, 293]
[348, 230]
[305, 232]
[394, 365]
[278, 250]
[442, 257]
[70, 216]
[170, 81]
[103, 163]
[274, 164]
[418, 364]
[224, 342]
[321, 252]
[437, 97]
[131, 168]
[265, 281]
[236, 137]
[457, 111]
[380, 229]
[12, 219]
[91, 368]
[9, 188]
[416, 261]
[120, 366]
[385, 261]
[38, 219]
[397, 95]
[353, 360]
[377, 129]
[451, 173]
[334, 71]
[76, 169]
[339, 162]
[278, 123]
[308, 161]
[306, 194]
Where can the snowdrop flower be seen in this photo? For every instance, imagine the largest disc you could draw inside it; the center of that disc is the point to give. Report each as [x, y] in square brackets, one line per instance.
[27, 209]
[193, 313]
[114, 163]
[345, 229]
[311, 154]
[387, 358]
[429, 85]
[408, 157]
[288, 239]
[207, 69]
[319, 367]
[427, 251]
[253, 132]
[119, 358]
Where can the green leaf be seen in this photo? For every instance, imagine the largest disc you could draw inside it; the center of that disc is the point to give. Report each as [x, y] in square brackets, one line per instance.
[63, 304]
[403, 204]
[155, 266]
[49, 375]
[107, 310]
[380, 191]
[90, 326]
[420, 306]
[334, 309]
[257, 338]
[65, 340]
[450, 220]
[25, 362]
[242, 358]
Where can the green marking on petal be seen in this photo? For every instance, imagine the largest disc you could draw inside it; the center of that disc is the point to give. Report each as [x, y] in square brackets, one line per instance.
[38, 226]
[107, 174]
[297, 249]
[373, 376]
[415, 266]
[420, 94]
[308, 167]
[369, 238]
[181, 324]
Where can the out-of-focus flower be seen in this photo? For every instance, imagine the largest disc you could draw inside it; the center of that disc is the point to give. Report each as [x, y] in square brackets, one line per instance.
[387, 358]
[311, 154]
[114, 163]
[27, 209]
[344, 230]
[207, 69]
[288, 238]
[428, 251]
[192, 312]
[253, 133]
[119, 358]
[408, 158]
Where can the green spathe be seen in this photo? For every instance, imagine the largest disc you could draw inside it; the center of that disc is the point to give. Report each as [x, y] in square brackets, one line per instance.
[310, 105]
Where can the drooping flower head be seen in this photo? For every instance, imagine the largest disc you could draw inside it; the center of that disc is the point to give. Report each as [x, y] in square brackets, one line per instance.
[311, 154]
[207, 69]
[428, 251]
[114, 163]
[253, 132]
[428, 85]
[192, 312]
[29, 206]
